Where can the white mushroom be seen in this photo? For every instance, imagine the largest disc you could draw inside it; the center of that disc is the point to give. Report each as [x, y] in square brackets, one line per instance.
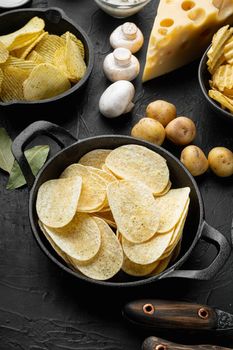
[121, 65]
[117, 99]
[128, 36]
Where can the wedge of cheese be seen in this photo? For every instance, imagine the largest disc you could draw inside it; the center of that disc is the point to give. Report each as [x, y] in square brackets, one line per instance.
[182, 31]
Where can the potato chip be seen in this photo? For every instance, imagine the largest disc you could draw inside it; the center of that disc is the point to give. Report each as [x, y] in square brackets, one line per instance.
[95, 158]
[138, 270]
[12, 84]
[1, 79]
[76, 41]
[107, 217]
[48, 46]
[4, 53]
[16, 40]
[134, 210]
[133, 162]
[74, 61]
[228, 51]
[35, 57]
[23, 52]
[45, 81]
[109, 259]
[215, 53]
[79, 240]
[163, 264]
[93, 192]
[166, 190]
[171, 207]
[179, 226]
[104, 168]
[223, 100]
[176, 251]
[19, 63]
[55, 247]
[222, 79]
[57, 201]
[149, 251]
[107, 177]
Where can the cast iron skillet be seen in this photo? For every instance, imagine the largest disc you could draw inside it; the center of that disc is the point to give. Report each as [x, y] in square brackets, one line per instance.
[56, 22]
[195, 229]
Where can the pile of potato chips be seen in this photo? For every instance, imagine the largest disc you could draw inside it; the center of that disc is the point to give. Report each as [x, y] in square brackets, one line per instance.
[114, 210]
[36, 65]
[220, 65]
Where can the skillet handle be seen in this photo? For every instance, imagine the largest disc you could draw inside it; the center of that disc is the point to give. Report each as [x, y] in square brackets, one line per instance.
[211, 235]
[154, 343]
[61, 136]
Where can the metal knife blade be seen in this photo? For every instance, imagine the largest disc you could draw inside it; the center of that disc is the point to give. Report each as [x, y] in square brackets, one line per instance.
[164, 314]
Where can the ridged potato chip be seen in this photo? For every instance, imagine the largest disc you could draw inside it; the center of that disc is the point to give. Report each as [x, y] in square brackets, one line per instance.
[109, 259]
[222, 99]
[57, 201]
[35, 57]
[95, 158]
[222, 79]
[133, 162]
[45, 81]
[12, 84]
[76, 41]
[228, 51]
[134, 210]
[4, 53]
[171, 207]
[149, 251]
[79, 240]
[75, 63]
[19, 63]
[137, 270]
[23, 52]
[215, 53]
[93, 194]
[21, 37]
[48, 46]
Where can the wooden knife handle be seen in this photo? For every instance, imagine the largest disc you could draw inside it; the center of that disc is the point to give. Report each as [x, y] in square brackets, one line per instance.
[154, 343]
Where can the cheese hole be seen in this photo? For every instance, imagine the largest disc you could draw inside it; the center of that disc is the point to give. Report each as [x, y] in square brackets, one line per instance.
[197, 15]
[187, 5]
[162, 31]
[167, 22]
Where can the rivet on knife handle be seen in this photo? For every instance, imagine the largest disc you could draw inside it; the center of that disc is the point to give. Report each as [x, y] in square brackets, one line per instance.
[165, 314]
[154, 343]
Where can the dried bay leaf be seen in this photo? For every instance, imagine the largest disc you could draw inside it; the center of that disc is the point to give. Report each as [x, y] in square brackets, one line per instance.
[36, 157]
[6, 156]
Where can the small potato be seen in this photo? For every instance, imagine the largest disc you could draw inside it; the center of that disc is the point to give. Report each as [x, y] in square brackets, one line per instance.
[150, 130]
[162, 111]
[221, 161]
[194, 160]
[181, 131]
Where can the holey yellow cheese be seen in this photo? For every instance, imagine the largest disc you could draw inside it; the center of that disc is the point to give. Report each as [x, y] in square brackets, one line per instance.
[182, 31]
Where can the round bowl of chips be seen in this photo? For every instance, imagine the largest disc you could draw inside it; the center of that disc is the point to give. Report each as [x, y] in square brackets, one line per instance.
[44, 56]
[215, 73]
[116, 211]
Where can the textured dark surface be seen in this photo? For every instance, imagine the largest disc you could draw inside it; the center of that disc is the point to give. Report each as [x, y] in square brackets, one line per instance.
[42, 308]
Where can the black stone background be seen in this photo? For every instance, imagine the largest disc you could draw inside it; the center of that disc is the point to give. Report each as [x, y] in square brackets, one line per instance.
[41, 307]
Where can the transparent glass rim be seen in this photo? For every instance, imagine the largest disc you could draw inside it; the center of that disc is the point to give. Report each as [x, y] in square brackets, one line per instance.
[123, 6]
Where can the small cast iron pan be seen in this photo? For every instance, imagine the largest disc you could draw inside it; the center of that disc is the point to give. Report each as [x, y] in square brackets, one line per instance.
[196, 228]
[56, 22]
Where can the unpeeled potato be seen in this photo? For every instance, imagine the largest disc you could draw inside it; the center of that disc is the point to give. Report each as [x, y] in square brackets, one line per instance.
[181, 131]
[162, 111]
[150, 130]
[221, 161]
[194, 160]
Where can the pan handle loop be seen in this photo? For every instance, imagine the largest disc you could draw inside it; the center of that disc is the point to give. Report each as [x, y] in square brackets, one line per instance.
[211, 235]
[61, 136]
